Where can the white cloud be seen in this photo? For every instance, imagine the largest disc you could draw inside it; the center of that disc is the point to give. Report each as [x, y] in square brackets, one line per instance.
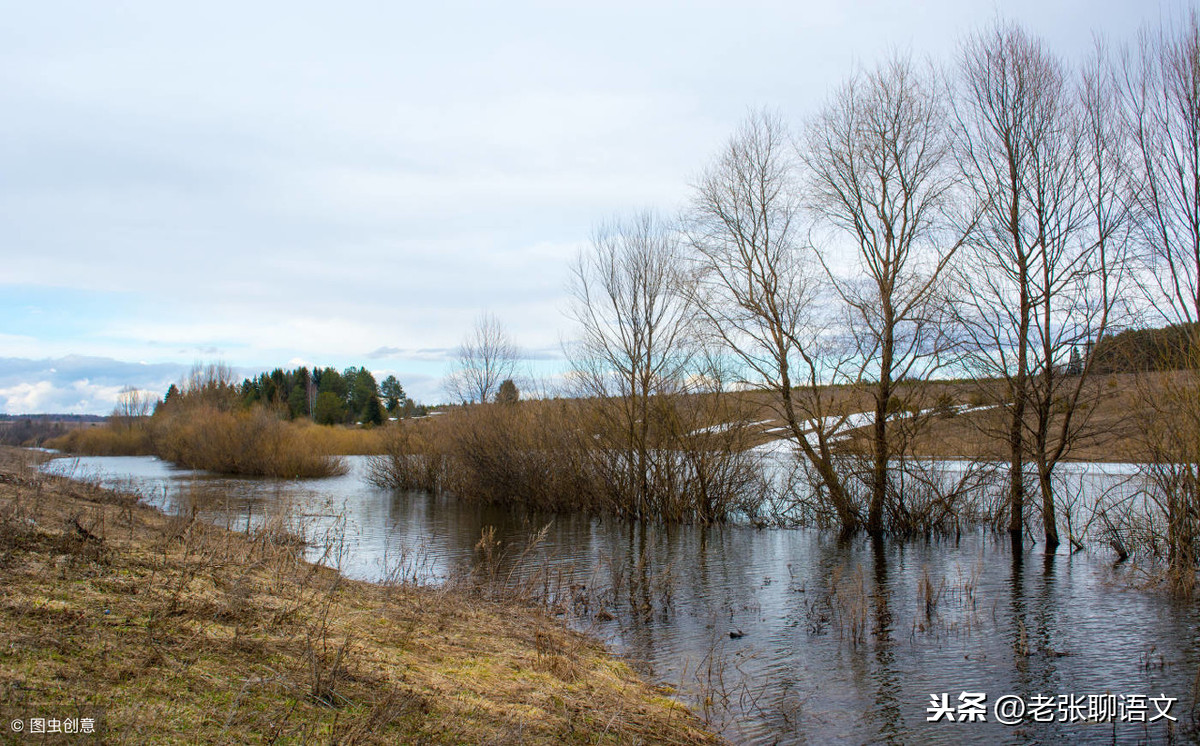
[175, 186]
[77, 384]
[74, 397]
[27, 397]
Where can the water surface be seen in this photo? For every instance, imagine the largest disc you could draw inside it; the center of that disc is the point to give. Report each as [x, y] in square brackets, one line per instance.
[832, 642]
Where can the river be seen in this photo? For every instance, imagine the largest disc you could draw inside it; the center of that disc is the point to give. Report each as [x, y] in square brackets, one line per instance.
[779, 635]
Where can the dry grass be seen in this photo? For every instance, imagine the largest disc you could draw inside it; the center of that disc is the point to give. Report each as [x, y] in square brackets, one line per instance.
[254, 442]
[1109, 413]
[339, 439]
[1112, 417]
[186, 633]
[105, 441]
[576, 455]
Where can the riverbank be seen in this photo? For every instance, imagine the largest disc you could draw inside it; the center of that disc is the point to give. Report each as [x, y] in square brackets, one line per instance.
[172, 630]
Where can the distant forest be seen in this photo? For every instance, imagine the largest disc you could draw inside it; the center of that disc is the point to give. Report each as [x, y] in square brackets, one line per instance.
[36, 429]
[53, 417]
[324, 395]
[1135, 350]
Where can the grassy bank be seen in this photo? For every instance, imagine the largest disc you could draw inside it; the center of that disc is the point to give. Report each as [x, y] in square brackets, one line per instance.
[186, 633]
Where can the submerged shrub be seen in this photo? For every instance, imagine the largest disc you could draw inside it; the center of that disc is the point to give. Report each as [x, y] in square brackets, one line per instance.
[253, 443]
[561, 456]
[407, 460]
[204, 426]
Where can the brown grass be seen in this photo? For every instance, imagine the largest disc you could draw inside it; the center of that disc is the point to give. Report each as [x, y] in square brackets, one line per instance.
[254, 442]
[1112, 432]
[105, 440]
[186, 633]
[576, 455]
[339, 439]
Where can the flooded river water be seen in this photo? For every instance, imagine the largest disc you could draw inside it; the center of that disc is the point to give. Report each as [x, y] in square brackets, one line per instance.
[782, 635]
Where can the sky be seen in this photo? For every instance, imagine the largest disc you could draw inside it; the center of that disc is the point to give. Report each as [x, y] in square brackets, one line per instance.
[277, 184]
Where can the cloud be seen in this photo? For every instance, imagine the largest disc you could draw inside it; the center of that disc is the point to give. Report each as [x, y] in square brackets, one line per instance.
[77, 384]
[209, 351]
[74, 397]
[245, 198]
[450, 354]
[27, 397]
[383, 352]
[543, 353]
[428, 354]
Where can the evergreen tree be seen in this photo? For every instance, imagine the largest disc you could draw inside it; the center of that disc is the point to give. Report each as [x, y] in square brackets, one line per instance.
[507, 393]
[362, 388]
[330, 381]
[249, 392]
[172, 398]
[373, 412]
[393, 393]
[298, 401]
[330, 410]
[1075, 366]
[266, 388]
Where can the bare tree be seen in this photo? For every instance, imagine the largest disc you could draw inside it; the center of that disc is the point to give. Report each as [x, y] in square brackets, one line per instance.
[486, 357]
[133, 405]
[877, 162]
[757, 288]
[1036, 281]
[630, 300]
[1081, 207]
[998, 88]
[1161, 90]
[1161, 93]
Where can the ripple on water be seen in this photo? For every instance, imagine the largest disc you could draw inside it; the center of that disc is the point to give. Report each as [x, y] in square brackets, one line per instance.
[840, 642]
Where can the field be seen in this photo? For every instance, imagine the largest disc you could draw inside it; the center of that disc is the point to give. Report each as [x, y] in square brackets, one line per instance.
[174, 631]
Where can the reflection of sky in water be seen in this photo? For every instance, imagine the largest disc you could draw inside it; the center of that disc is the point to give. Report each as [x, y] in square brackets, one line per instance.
[800, 673]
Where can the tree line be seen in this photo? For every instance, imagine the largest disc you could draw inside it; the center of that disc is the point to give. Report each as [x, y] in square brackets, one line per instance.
[274, 424]
[324, 395]
[1003, 218]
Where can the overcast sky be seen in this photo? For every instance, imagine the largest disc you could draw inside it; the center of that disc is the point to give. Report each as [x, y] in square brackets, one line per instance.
[274, 184]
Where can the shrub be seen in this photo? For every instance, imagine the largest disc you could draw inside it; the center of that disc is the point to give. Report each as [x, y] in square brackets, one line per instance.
[253, 443]
[104, 441]
[566, 456]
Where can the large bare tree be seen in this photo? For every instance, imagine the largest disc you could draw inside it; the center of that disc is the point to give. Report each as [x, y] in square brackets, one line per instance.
[1080, 197]
[758, 287]
[877, 167]
[1036, 280]
[1161, 93]
[132, 407]
[1162, 96]
[998, 89]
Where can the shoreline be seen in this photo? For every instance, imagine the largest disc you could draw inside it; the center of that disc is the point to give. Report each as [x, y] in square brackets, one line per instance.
[179, 631]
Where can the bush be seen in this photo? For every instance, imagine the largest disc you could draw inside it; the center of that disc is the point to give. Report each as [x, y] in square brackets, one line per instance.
[252, 443]
[108, 440]
[566, 456]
